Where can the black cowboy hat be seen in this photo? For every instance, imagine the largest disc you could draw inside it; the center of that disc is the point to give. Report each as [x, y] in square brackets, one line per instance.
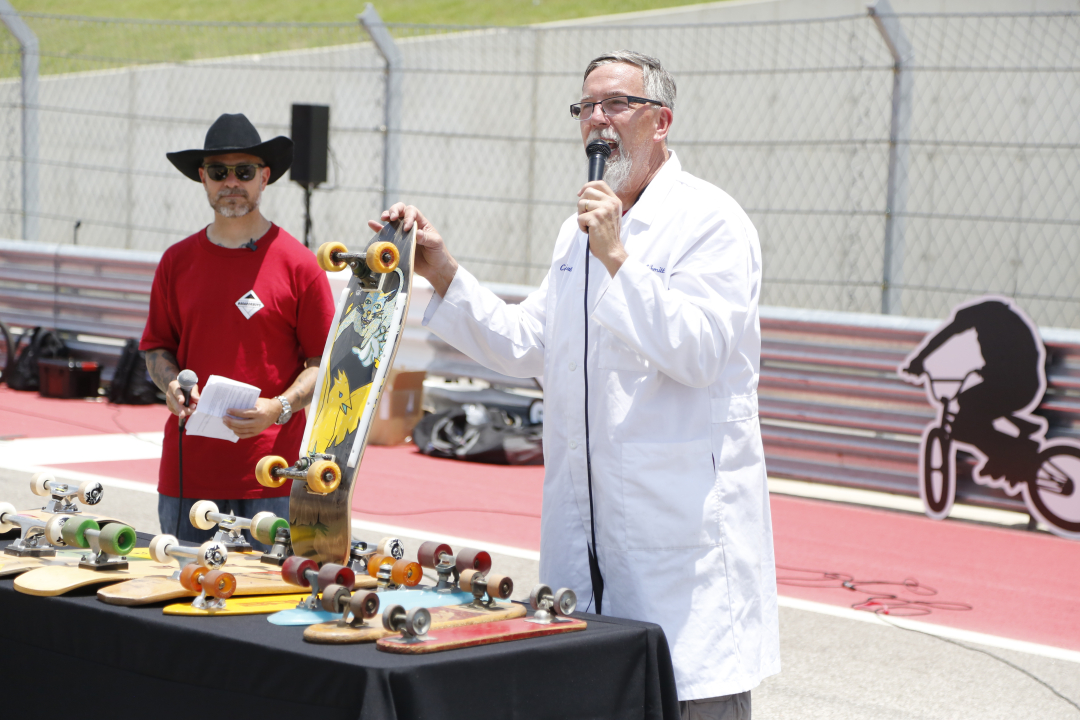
[236, 134]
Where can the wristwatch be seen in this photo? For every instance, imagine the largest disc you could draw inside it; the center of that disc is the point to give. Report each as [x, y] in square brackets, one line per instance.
[286, 410]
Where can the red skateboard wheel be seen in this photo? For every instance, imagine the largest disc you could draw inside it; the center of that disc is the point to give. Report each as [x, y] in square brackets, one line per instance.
[334, 598]
[219, 584]
[364, 605]
[332, 574]
[429, 552]
[294, 567]
[189, 577]
[473, 559]
[406, 572]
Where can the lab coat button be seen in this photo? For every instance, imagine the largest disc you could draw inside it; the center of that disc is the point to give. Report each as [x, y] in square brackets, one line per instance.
[573, 365]
[573, 445]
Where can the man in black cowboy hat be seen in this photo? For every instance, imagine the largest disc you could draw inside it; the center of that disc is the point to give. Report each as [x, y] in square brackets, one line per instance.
[243, 299]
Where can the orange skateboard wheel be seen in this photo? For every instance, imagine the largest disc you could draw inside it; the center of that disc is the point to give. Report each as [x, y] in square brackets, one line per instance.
[219, 584]
[500, 587]
[323, 477]
[472, 559]
[382, 257]
[406, 572]
[325, 256]
[334, 598]
[294, 568]
[264, 471]
[189, 577]
[364, 605]
[376, 561]
[429, 552]
[331, 574]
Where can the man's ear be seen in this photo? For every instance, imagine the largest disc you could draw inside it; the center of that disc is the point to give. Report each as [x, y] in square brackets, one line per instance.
[663, 124]
[265, 178]
[202, 176]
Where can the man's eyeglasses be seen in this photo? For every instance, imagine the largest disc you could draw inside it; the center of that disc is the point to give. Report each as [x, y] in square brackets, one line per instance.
[610, 106]
[245, 172]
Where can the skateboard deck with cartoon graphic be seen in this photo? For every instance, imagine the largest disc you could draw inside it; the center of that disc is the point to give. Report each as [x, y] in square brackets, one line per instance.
[368, 323]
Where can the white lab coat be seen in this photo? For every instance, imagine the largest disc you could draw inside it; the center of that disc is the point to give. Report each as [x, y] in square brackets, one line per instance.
[683, 528]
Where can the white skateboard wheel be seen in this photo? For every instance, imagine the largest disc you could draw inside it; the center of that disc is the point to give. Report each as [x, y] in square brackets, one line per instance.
[418, 621]
[259, 517]
[199, 512]
[39, 483]
[159, 545]
[212, 555]
[90, 492]
[6, 509]
[391, 546]
[54, 530]
[565, 602]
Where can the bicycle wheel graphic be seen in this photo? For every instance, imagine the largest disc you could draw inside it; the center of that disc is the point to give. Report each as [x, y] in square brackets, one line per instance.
[1055, 491]
[938, 483]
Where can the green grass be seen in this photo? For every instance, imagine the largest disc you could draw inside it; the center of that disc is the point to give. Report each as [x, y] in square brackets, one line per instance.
[71, 45]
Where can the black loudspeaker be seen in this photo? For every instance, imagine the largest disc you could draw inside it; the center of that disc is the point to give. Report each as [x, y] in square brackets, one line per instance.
[310, 132]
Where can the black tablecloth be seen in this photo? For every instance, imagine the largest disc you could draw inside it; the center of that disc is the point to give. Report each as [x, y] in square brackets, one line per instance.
[79, 653]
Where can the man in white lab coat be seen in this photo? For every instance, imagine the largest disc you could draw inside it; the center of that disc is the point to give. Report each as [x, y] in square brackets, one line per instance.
[678, 498]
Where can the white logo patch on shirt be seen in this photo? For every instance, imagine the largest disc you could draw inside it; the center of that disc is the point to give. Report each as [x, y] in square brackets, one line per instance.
[249, 304]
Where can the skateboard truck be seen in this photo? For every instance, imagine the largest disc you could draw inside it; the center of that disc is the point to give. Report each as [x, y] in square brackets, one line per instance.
[370, 267]
[108, 546]
[32, 540]
[493, 587]
[166, 548]
[306, 573]
[319, 471]
[413, 625]
[360, 552]
[362, 606]
[391, 573]
[440, 558]
[551, 607]
[273, 531]
[205, 516]
[61, 494]
[214, 586]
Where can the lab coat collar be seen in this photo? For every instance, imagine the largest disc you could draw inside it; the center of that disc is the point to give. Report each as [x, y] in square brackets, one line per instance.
[645, 209]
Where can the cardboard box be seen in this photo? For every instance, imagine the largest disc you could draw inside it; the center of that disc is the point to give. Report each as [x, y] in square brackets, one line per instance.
[400, 408]
[63, 378]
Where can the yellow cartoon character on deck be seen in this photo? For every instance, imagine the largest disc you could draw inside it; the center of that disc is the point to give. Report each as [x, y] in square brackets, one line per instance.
[339, 412]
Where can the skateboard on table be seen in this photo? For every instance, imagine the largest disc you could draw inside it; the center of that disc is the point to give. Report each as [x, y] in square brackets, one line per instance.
[356, 361]
[414, 626]
[266, 527]
[251, 576]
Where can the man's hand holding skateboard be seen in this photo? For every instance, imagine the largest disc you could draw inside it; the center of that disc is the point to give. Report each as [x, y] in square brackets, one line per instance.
[434, 262]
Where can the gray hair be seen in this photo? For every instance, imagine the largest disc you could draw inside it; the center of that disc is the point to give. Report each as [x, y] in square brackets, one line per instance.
[657, 82]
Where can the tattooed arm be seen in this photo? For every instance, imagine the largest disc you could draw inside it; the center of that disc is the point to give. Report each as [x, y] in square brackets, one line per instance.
[163, 369]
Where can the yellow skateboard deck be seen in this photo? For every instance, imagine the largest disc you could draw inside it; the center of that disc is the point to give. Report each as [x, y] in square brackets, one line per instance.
[441, 617]
[250, 605]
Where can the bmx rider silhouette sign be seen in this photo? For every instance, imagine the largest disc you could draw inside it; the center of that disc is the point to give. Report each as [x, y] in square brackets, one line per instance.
[985, 371]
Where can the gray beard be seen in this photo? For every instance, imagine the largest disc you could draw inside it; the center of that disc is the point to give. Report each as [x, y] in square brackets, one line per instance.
[617, 171]
[223, 207]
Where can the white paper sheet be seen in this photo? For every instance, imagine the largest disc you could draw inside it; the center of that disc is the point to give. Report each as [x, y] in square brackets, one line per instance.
[217, 397]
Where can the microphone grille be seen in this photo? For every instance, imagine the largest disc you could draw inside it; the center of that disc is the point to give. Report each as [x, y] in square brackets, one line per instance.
[598, 147]
[187, 379]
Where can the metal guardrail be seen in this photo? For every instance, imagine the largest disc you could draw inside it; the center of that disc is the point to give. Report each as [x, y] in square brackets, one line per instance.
[832, 407]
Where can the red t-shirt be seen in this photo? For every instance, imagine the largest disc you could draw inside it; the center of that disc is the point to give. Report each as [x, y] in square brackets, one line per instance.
[197, 311]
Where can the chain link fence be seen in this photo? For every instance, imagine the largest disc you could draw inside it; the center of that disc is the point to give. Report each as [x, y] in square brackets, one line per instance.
[967, 186]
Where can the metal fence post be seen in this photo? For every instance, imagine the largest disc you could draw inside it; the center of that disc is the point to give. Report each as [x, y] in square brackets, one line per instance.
[384, 43]
[892, 276]
[28, 44]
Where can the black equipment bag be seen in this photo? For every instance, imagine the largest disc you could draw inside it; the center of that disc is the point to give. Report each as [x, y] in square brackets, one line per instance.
[478, 433]
[38, 344]
[131, 383]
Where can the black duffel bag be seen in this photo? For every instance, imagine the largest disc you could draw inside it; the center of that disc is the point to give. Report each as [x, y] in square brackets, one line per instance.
[478, 433]
[38, 344]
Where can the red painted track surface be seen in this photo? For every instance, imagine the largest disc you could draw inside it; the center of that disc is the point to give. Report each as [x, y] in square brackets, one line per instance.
[1021, 585]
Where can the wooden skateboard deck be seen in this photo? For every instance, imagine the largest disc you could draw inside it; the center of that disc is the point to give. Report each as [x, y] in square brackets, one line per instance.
[359, 352]
[451, 638]
[441, 617]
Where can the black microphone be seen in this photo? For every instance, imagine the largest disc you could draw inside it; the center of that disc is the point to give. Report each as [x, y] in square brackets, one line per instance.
[187, 379]
[598, 152]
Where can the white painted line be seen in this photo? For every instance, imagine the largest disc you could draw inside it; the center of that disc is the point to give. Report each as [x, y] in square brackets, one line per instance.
[81, 449]
[931, 629]
[872, 498]
[381, 529]
[74, 476]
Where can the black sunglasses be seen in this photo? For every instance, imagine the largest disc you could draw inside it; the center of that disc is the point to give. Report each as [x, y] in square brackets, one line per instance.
[244, 172]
